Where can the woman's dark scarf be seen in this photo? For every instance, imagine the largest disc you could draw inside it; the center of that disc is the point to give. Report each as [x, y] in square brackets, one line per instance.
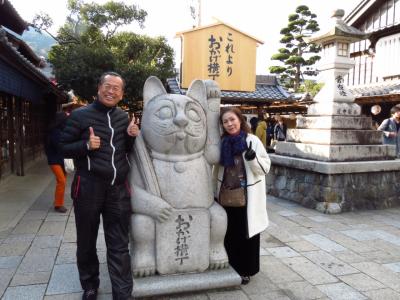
[232, 145]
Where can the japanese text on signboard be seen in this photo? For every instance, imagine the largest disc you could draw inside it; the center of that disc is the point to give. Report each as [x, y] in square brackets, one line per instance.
[220, 49]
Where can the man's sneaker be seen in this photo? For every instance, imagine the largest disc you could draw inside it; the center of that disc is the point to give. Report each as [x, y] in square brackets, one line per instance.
[60, 209]
[89, 294]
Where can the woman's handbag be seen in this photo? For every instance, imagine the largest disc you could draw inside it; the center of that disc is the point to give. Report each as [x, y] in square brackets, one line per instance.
[232, 198]
[69, 165]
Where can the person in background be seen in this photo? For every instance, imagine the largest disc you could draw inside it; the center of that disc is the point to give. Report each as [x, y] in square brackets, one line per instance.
[270, 131]
[99, 137]
[243, 165]
[391, 129]
[280, 129]
[261, 131]
[56, 160]
[253, 124]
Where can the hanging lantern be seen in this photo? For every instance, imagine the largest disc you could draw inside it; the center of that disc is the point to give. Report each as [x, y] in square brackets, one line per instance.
[376, 109]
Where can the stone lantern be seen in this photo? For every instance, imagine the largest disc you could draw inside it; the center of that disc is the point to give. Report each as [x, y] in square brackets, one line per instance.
[334, 66]
[333, 161]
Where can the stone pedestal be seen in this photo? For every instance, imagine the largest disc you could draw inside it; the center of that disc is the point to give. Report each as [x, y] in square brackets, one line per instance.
[190, 282]
[334, 187]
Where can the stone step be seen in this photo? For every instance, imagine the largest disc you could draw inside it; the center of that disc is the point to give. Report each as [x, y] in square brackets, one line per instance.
[335, 137]
[336, 152]
[334, 122]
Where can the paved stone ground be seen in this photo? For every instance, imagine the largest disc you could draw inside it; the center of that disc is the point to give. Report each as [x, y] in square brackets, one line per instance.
[305, 255]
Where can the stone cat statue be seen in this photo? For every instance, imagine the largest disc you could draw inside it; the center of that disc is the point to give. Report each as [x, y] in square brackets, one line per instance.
[176, 226]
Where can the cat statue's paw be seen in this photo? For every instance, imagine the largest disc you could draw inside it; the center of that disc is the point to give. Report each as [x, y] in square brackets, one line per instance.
[144, 272]
[220, 264]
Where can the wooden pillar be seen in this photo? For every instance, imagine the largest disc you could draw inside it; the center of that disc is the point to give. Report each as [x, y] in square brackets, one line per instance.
[19, 138]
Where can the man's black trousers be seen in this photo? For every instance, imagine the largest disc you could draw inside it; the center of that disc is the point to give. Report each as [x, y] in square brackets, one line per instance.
[93, 198]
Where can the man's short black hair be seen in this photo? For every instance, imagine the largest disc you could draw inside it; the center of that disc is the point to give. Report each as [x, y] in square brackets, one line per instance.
[395, 109]
[110, 73]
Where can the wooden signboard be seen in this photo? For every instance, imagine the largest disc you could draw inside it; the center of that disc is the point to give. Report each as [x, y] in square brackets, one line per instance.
[222, 53]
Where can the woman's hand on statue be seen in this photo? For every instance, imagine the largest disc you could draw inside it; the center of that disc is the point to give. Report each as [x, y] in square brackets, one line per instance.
[250, 154]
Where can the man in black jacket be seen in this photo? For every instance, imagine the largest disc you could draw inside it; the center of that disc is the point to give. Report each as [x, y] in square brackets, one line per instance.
[99, 137]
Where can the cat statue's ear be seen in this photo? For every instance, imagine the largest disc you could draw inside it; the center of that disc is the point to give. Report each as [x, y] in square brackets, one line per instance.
[152, 87]
[197, 90]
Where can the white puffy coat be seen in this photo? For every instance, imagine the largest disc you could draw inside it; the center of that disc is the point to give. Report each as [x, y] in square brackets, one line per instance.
[256, 169]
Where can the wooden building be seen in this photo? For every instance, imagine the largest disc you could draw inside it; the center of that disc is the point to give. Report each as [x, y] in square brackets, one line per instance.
[375, 78]
[27, 98]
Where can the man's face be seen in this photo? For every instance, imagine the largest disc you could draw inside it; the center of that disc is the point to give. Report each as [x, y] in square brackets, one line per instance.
[396, 115]
[110, 92]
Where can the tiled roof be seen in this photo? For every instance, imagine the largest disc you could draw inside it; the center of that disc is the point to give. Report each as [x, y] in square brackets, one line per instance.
[267, 90]
[25, 63]
[10, 18]
[376, 89]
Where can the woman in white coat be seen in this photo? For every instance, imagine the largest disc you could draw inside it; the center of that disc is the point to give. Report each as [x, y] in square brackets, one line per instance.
[243, 165]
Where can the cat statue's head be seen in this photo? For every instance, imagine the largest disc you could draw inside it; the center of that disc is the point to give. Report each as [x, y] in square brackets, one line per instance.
[174, 124]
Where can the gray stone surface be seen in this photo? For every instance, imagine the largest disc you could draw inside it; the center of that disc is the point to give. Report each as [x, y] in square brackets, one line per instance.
[323, 243]
[5, 278]
[10, 262]
[51, 241]
[52, 228]
[330, 263]
[270, 264]
[159, 285]
[336, 153]
[281, 252]
[16, 250]
[28, 226]
[334, 122]
[382, 294]
[361, 282]
[335, 137]
[380, 273]
[340, 291]
[64, 279]
[28, 292]
[30, 278]
[395, 267]
[335, 167]
[309, 271]
[301, 290]
[38, 260]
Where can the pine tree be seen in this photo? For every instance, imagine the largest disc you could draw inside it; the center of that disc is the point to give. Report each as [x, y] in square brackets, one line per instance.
[297, 54]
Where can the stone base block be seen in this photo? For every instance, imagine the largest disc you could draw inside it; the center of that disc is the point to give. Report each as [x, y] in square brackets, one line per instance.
[335, 193]
[336, 153]
[183, 242]
[334, 108]
[335, 137]
[172, 284]
[334, 122]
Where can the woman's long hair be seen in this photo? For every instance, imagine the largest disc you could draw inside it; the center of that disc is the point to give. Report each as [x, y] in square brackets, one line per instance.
[243, 124]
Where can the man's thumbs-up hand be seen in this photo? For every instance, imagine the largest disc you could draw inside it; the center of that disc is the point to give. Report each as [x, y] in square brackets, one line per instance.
[133, 129]
[94, 140]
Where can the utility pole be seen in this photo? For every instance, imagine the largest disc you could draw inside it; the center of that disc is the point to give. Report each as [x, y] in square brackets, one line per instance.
[199, 14]
[195, 11]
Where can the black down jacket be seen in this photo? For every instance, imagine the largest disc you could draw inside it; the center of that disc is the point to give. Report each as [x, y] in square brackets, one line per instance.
[110, 162]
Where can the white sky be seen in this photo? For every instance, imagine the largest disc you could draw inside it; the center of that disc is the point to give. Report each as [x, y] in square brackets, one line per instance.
[259, 18]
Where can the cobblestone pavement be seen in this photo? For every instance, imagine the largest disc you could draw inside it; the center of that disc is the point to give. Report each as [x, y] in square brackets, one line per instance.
[304, 255]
